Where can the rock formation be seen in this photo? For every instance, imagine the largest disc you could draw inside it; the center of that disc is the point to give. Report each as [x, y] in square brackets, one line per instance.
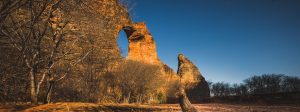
[194, 83]
[141, 45]
[142, 48]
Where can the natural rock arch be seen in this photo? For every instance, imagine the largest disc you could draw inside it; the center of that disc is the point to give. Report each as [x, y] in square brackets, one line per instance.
[142, 48]
[141, 45]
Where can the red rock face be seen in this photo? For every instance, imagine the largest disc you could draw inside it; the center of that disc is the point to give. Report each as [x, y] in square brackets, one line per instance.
[141, 45]
[142, 48]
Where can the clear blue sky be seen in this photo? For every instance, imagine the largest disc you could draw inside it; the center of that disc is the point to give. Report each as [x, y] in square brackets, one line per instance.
[229, 40]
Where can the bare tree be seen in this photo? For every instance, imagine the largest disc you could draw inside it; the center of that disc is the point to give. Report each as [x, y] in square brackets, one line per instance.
[290, 84]
[59, 42]
[221, 89]
[184, 102]
[9, 6]
[25, 31]
[39, 32]
[266, 83]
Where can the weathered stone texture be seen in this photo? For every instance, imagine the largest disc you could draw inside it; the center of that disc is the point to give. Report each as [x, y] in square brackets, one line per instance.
[142, 48]
[141, 45]
[195, 84]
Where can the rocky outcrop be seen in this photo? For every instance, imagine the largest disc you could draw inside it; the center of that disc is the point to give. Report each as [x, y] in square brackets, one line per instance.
[190, 77]
[142, 48]
[141, 45]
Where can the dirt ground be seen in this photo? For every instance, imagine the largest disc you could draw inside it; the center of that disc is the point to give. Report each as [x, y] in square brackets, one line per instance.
[92, 107]
[246, 108]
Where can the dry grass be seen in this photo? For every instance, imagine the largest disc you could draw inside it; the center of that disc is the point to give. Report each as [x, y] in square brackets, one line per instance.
[93, 107]
[84, 107]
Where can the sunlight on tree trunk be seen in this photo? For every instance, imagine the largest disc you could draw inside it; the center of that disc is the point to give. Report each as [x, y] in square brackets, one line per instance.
[34, 96]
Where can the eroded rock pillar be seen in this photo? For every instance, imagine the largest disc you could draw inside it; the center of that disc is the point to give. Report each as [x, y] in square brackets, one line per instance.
[194, 83]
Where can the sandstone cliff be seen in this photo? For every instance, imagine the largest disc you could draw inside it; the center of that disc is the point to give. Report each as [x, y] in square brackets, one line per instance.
[81, 40]
[142, 47]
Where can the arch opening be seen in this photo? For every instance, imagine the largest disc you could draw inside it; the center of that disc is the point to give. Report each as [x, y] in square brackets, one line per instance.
[123, 43]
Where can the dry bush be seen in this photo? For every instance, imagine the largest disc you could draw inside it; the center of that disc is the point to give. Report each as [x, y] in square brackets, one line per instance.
[129, 82]
[132, 82]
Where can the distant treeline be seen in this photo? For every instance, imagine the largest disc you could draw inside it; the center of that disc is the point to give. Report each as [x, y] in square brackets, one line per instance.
[264, 89]
[281, 98]
[264, 84]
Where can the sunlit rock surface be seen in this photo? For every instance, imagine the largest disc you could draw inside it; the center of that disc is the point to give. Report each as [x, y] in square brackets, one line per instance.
[142, 48]
[141, 45]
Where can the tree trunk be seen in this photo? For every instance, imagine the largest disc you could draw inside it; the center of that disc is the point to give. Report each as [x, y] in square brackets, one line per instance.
[51, 84]
[184, 102]
[34, 97]
[48, 94]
